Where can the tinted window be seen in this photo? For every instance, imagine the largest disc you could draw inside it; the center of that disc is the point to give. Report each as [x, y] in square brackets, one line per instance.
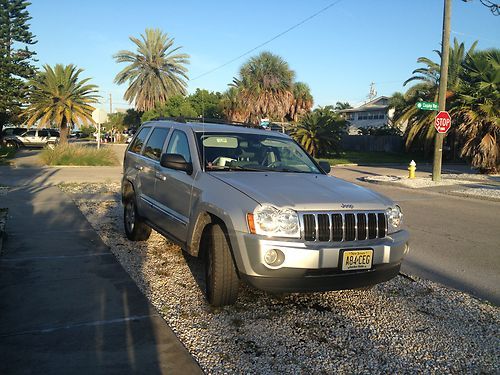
[53, 133]
[139, 140]
[179, 145]
[31, 133]
[43, 133]
[155, 143]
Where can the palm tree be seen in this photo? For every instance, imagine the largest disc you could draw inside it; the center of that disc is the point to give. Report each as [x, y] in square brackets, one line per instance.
[320, 131]
[339, 106]
[420, 129]
[302, 101]
[58, 96]
[265, 87]
[420, 124]
[477, 108]
[232, 107]
[155, 72]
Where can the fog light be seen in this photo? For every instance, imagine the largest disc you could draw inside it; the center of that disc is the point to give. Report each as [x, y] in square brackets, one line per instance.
[274, 257]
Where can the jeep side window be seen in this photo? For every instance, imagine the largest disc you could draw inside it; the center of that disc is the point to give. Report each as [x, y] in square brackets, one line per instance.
[155, 143]
[43, 133]
[179, 145]
[136, 146]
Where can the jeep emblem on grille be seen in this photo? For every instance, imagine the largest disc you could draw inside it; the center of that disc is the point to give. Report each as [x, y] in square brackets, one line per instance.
[345, 205]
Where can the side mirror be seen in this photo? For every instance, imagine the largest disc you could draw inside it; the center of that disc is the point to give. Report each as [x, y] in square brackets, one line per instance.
[325, 166]
[177, 162]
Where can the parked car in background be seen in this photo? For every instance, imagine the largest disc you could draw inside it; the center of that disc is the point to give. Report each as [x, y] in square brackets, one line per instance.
[8, 133]
[258, 209]
[34, 138]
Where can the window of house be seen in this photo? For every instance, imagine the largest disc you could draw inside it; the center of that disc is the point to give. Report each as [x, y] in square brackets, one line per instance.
[138, 142]
[155, 143]
[179, 144]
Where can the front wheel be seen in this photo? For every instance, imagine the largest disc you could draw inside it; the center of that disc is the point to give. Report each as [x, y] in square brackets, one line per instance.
[220, 275]
[135, 228]
[11, 144]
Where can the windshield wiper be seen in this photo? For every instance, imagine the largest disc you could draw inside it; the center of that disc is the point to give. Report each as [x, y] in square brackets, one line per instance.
[234, 168]
[289, 170]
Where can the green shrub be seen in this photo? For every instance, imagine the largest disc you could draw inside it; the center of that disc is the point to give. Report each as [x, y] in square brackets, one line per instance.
[79, 155]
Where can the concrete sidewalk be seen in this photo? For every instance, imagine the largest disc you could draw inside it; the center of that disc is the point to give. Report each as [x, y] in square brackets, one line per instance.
[66, 304]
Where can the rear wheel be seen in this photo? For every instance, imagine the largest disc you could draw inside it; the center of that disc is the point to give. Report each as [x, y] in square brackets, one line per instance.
[135, 228]
[220, 275]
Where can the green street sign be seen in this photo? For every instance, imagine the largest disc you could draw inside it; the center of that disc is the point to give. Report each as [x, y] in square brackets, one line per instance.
[427, 106]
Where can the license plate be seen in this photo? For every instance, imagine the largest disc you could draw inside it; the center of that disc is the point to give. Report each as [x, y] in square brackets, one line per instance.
[357, 260]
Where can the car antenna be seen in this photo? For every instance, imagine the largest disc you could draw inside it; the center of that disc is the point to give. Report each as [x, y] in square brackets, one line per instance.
[203, 130]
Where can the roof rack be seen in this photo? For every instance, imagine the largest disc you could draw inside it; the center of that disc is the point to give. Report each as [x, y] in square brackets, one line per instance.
[185, 120]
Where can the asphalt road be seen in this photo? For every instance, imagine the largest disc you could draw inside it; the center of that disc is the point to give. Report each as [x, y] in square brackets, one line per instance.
[454, 240]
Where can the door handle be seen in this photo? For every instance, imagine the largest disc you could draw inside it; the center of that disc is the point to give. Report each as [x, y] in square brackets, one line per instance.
[139, 167]
[160, 176]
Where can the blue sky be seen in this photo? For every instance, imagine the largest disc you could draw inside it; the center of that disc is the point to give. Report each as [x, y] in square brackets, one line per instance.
[338, 53]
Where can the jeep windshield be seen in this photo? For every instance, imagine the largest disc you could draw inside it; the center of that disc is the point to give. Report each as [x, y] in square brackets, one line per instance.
[252, 152]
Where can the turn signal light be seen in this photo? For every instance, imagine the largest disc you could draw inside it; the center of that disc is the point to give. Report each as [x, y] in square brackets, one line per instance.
[251, 223]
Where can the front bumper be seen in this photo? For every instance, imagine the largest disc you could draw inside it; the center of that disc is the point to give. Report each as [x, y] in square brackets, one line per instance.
[327, 279]
[314, 266]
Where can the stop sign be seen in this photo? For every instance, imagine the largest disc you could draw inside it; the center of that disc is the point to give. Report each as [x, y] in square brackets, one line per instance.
[442, 123]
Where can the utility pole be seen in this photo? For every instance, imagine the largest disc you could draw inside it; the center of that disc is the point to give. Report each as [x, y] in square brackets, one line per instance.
[110, 104]
[443, 83]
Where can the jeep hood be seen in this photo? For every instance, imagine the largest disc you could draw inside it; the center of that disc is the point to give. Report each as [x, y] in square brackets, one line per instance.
[304, 192]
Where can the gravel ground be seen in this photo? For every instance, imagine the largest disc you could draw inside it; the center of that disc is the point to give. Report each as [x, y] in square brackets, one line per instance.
[415, 183]
[405, 325]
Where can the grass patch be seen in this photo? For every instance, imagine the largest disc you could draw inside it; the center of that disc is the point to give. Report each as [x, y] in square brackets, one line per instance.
[359, 157]
[71, 154]
[6, 153]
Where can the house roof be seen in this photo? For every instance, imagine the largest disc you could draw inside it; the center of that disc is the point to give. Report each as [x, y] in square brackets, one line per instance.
[370, 106]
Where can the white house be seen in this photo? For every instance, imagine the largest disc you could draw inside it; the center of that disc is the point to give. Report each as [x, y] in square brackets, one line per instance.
[374, 114]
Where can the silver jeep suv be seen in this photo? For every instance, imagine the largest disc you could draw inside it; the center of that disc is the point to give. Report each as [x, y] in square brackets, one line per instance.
[257, 208]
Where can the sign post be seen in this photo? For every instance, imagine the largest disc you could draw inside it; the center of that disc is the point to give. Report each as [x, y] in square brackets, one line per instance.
[100, 117]
[443, 84]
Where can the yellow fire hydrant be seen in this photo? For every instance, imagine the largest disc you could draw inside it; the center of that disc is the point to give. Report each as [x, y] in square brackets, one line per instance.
[412, 168]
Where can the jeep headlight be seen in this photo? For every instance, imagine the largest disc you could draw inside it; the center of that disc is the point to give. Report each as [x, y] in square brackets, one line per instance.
[394, 218]
[272, 221]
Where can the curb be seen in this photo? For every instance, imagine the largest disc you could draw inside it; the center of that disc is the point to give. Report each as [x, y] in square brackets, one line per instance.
[465, 195]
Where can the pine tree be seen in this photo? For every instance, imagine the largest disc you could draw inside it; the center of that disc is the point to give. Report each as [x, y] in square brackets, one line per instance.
[16, 59]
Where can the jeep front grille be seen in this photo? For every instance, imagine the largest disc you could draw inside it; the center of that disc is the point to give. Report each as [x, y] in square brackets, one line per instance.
[343, 226]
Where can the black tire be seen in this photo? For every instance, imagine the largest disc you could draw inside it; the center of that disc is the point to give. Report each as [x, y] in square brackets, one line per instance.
[221, 279]
[135, 228]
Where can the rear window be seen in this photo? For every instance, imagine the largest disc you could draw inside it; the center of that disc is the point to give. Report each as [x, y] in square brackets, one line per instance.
[138, 142]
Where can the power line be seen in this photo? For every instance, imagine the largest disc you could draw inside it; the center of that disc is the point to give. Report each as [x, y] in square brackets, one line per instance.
[269, 40]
